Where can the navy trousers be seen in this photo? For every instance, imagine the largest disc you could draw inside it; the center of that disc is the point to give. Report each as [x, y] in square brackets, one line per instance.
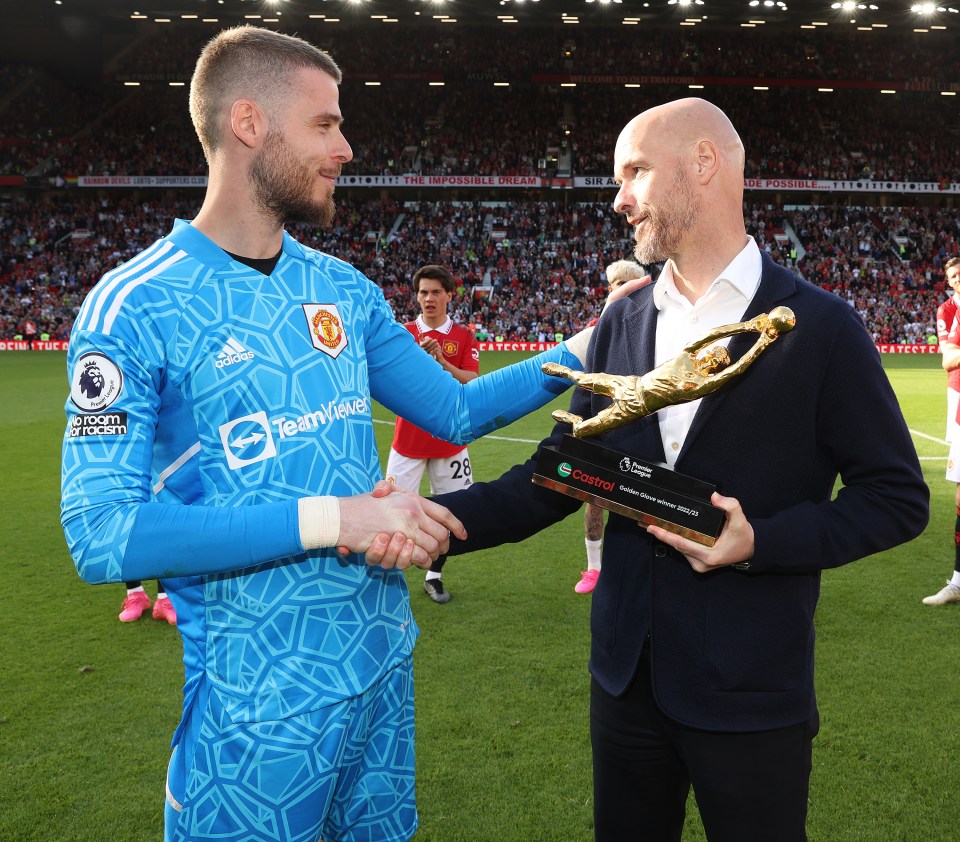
[749, 787]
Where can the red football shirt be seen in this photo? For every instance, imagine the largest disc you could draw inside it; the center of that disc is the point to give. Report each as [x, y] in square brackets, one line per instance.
[460, 349]
[946, 319]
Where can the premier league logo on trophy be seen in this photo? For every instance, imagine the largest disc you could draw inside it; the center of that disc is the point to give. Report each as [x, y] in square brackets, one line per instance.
[649, 492]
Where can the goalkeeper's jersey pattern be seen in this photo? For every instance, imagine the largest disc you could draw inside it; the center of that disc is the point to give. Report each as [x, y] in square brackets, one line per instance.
[206, 398]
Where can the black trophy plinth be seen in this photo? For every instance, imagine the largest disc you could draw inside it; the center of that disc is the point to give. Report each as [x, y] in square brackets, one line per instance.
[643, 491]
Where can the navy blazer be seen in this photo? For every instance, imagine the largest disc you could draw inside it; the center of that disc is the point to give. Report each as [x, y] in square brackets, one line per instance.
[733, 650]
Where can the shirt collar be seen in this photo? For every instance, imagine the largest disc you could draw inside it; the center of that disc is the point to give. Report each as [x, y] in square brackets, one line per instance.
[742, 274]
[423, 327]
[198, 245]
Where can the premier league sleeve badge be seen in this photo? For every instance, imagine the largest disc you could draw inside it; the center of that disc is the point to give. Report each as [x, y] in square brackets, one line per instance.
[96, 382]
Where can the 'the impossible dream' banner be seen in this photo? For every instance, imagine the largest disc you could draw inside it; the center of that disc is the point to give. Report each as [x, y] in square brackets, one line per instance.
[808, 185]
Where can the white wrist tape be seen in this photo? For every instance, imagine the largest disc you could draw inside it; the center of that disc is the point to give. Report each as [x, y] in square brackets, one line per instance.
[577, 344]
[319, 522]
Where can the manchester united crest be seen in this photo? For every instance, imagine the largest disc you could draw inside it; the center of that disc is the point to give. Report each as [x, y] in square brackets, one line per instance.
[449, 348]
[326, 328]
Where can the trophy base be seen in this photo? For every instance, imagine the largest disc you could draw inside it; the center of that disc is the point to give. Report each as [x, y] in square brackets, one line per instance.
[643, 491]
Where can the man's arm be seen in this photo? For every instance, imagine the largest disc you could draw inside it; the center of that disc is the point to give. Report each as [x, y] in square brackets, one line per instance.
[117, 532]
[509, 509]
[485, 403]
[513, 507]
[949, 356]
[410, 384]
[883, 500]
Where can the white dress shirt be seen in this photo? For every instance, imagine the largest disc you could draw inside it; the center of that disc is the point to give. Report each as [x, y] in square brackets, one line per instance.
[680, 322]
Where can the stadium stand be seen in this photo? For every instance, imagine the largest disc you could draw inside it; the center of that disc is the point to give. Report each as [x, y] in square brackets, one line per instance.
[528, 269]
[530, 265]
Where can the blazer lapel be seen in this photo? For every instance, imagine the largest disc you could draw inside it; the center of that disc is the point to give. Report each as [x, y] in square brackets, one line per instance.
[776, 284]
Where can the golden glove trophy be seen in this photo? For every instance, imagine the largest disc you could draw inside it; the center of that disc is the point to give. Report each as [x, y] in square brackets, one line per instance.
[644, 491]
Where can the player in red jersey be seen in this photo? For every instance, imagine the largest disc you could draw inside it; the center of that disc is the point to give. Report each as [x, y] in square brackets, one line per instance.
[946, 314]
[948, 332]
[414, 450]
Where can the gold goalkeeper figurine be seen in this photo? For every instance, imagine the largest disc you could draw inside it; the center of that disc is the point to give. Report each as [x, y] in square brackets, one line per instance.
[693, 373]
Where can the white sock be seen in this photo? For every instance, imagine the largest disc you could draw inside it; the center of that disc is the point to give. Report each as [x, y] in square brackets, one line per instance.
[593, 553]
[161, 595]
[955, 579]
[137, 589]
[431, 575]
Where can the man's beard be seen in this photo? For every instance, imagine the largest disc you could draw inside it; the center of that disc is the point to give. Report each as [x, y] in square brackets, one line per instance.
[281, 186]
[665, 228]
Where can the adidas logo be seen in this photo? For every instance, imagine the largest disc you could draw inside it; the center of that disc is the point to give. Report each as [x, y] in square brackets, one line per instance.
[233, 352]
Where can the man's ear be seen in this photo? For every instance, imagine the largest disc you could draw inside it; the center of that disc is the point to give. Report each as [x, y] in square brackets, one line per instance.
[248, 123]
[708, 161]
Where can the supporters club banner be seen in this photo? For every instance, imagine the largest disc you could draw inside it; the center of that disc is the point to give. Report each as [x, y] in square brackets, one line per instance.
[142, 181]
[806, 185]
[342, 181]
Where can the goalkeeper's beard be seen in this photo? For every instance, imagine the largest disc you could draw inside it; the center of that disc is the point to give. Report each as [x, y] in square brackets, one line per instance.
[282, 186]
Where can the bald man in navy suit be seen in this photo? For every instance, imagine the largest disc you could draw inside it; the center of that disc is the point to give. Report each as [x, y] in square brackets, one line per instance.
[702, 657]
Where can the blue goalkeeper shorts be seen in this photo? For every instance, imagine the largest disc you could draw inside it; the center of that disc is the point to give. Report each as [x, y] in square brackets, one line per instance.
[344, 773]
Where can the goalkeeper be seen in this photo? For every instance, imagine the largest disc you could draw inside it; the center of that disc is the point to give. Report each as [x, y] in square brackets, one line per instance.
[219, 436]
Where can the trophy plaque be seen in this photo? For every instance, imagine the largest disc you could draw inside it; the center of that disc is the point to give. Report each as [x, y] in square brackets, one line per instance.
[646, 492]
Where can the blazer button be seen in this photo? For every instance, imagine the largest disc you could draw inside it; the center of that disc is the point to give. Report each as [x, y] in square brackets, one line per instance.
[660, 550]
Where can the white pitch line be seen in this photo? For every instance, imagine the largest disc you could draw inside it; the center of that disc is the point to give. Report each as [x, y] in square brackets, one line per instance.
[537, 441]
[934, 439]
[928, 438]
[488, 436]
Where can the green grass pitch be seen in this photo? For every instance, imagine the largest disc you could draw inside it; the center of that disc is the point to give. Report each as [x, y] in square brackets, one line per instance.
[87, 704]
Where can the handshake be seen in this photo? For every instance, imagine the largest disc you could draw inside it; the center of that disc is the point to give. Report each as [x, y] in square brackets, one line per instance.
[395, 527]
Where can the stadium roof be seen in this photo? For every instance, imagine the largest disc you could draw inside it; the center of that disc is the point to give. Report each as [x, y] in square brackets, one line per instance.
[78, 35]
[905, 15]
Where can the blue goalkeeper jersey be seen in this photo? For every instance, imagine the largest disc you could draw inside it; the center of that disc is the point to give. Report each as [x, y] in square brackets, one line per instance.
[206, 399]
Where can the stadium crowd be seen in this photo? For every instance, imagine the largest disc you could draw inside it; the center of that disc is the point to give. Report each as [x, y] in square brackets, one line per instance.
[526, 271]
[530, 269]
[92, 127]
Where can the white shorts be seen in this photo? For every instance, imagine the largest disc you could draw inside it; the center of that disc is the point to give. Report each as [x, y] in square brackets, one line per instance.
[953, 399]
[953, 461]
[451, 473]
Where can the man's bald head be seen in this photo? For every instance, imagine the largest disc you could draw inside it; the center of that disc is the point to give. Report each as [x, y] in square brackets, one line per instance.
[680, 125]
